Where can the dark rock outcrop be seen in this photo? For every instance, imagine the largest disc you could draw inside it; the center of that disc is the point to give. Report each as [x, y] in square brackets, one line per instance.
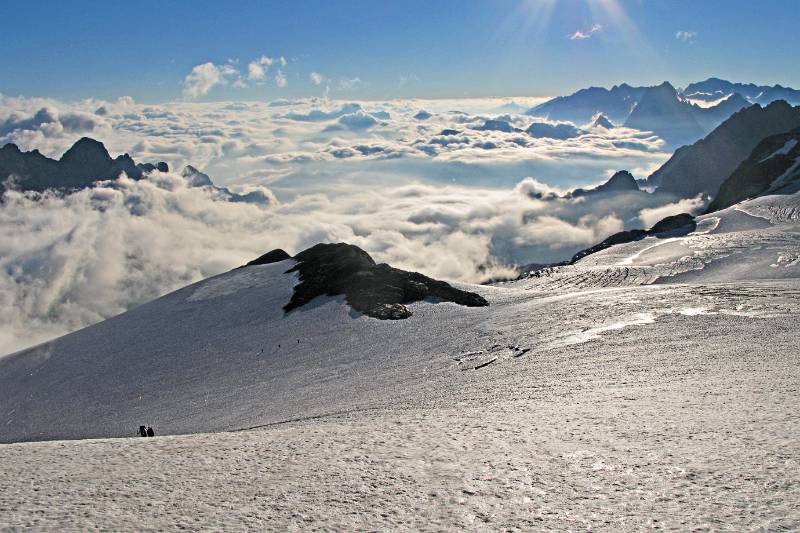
[621, 237]
[84, 164]
[776, 157]
[673, 223]
[702, 167]
[376, 290]
[274, 256]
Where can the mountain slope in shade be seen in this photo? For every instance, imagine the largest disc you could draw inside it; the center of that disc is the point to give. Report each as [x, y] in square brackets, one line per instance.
[702, 167]
[85, 163]
[662, 112]
[773, 166]
[711, 117]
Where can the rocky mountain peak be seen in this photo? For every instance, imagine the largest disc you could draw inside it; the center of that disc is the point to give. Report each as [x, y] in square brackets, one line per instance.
[622, 180]
[87, 152]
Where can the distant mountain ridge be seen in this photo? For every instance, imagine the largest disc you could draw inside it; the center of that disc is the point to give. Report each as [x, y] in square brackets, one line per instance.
[713, 89]
[84, 164]
[579, 107]
[88, 162]
[670, 113]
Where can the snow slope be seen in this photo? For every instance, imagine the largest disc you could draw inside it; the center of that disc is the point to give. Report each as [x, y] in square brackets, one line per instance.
[651, 384]
[755, 239]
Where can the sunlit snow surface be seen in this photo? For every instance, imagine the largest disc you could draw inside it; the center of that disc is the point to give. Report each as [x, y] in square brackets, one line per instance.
[651, 384]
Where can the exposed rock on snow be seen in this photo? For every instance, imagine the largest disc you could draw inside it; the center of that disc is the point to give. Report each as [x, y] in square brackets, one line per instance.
[270, 257]
[375, 290]
[683, 221]
[673, 223]
[389, 312]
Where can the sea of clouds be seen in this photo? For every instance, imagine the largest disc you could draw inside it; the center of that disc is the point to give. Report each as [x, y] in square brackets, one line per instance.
[418, 184]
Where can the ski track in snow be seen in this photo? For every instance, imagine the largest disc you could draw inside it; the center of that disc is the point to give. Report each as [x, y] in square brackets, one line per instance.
[662, 393]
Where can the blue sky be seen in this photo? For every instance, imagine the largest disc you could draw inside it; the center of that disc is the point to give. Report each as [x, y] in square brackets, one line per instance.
[368, 49]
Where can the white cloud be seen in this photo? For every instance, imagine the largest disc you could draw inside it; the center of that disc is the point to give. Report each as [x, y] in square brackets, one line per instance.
[357, 121]
[257, 69]
[316, 78]
[686, 36]
[586, 34]
[69, 261]
[205, 77]
[651, 215]
[350, 84]
[280, 79]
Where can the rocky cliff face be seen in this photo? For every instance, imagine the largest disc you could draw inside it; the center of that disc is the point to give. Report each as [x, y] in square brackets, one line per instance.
[773, 166]
[702, 167]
